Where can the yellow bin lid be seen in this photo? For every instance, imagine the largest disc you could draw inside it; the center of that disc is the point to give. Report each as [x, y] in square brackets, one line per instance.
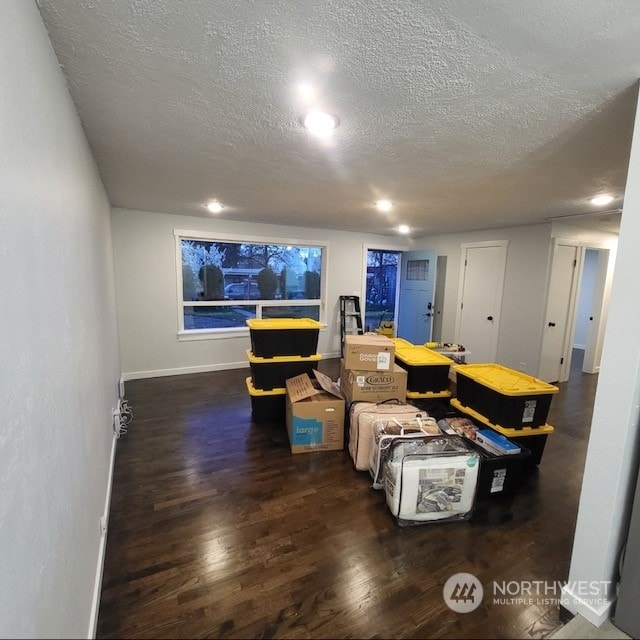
[261, 392]
[415, 395]
[281, 359]
[509, 432]
[415, 355]
[505, 381]
[401, 342]
[283, 323]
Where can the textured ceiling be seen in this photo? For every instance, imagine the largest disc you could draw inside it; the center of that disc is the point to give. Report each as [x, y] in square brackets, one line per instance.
[467, 115]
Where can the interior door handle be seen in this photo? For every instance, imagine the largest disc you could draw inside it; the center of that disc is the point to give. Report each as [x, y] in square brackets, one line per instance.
[552, 324]
[489, 317]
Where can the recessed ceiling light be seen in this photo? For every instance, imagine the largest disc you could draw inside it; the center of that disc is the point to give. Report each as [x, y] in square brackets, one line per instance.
[320, 124]
[214, 206]
[601, 200]
[403, 228]
[384, 205]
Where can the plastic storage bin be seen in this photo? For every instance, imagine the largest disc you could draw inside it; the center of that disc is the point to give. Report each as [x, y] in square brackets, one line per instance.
[502, 475]
[427, 371]
[267, 406]
[284, 337]
[272, 373]
[532, 438]
[505, 397]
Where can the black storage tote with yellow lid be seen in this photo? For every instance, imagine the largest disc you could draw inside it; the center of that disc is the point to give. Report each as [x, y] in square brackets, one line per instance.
[284, 337]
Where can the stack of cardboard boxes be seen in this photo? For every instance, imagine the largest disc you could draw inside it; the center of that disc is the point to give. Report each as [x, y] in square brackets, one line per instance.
[368, 372]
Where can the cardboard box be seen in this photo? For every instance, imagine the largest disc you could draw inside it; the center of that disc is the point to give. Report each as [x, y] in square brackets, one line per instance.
[369, 352]
[314, 414]
[373, 386]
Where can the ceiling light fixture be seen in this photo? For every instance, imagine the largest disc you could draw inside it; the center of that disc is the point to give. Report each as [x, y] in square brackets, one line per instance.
[384, 205]
[214, 206]
[599, 201]
[320, 124]
[403, 228]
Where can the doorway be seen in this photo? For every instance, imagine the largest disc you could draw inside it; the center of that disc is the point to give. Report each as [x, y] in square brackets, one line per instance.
[576, 312]
[398, 291]
[381, 287]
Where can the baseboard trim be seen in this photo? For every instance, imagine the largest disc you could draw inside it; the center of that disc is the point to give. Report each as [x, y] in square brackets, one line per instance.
[178, 371]
[576, 604]
[97, 587]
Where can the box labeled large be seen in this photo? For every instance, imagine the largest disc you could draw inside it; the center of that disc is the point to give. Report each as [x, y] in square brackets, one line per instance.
[368, 353]
[373, 386]
[314, 414]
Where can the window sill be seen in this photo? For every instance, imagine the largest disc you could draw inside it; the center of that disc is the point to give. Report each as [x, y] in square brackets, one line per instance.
[212, 334]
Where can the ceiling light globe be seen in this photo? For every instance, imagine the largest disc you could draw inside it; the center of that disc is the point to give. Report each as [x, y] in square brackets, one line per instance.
[320, 124]
[384, 205]
[214, 207]
[403, 228]
[599, 201]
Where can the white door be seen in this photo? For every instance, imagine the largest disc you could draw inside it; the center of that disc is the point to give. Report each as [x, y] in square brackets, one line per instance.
[555, 356]
[480, 299]
[415, 308]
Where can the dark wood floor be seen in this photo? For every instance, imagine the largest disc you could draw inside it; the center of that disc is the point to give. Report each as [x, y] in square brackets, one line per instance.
[217, 531]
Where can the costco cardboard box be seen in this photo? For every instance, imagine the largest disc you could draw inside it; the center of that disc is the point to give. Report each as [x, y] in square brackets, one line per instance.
[373, 386]
[369, 352]
[315, 414]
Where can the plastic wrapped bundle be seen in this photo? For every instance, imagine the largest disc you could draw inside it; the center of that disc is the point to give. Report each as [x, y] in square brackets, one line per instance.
[362, 415]
[429, 479]
[386, 432]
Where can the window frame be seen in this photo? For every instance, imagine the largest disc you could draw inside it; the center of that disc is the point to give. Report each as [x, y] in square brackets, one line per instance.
[237, 332]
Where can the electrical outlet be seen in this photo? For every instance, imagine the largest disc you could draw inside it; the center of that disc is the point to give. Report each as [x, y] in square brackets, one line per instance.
[523, 366]
[103, 525]
[121, 389]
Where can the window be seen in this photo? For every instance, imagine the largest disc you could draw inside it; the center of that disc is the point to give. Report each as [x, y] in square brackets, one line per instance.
[223, 282]
[417, 270]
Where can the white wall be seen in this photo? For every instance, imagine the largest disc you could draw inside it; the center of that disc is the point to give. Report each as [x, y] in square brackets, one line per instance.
[145, 261]
[612, 457]
[524, 289]
[525, 286]
[58, 344]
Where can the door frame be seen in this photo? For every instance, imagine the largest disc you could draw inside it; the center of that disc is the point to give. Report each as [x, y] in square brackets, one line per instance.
[601, 293]
[464, 247]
